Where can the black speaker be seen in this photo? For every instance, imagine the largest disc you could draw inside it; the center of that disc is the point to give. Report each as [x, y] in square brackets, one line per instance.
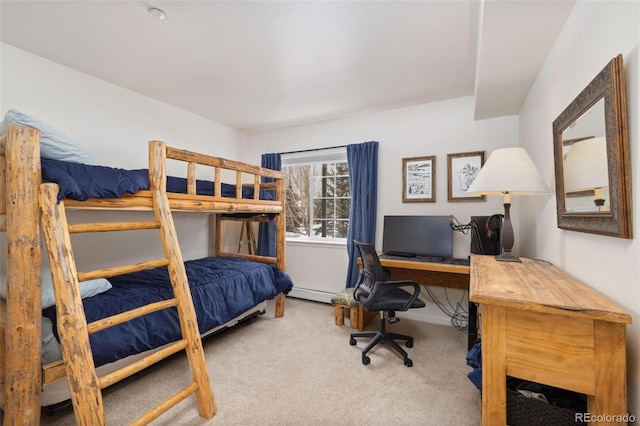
[485, 234]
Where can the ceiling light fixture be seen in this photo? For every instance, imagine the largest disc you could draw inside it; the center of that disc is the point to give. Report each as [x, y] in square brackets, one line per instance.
[157, 13]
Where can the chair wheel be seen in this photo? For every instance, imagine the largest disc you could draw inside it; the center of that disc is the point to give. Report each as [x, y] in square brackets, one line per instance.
[365, 360]
[352, 341]
[408, 362]
[409, 344]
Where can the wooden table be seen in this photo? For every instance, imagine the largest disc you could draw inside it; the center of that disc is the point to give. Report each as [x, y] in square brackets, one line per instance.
[440, 274]
[428, 273]
[542, 325]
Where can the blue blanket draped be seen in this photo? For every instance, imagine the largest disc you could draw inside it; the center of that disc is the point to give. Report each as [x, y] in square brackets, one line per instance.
[221, 288]
[81, 182]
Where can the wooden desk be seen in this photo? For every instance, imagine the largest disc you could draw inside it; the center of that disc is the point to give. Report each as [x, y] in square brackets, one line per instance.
[542, 325]
[437, 274]
[427, 273]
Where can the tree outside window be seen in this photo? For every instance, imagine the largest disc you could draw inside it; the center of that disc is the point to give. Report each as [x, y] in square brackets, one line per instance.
[318, 200]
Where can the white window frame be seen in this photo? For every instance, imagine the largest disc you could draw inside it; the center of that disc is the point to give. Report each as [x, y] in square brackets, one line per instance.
[311, 157]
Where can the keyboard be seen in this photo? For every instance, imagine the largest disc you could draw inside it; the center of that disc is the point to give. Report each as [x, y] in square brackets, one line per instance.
[429, 259]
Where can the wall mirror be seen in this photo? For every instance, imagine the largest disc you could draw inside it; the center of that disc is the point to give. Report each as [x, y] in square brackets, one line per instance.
[591, 153]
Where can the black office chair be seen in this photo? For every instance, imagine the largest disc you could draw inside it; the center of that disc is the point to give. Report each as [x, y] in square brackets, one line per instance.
[377, 293]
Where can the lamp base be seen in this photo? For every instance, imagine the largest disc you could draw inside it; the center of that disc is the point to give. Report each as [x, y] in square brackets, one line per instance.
[507, 257]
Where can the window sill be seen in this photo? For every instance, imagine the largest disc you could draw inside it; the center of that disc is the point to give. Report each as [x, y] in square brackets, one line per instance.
[319, 243]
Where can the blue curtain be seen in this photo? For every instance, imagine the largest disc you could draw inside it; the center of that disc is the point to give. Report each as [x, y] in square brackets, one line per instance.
[267, 230]
[363, 183]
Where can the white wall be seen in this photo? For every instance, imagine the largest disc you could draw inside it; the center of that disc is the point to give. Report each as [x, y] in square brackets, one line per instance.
[593, 35]
[115, 125]
[436, 129]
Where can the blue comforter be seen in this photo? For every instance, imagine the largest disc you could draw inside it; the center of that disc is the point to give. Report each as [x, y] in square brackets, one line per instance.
[81, 181]
[222, 288]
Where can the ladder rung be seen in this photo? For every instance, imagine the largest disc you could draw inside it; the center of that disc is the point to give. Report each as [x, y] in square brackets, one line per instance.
[156, 411]
[120, 270]
[103, 323]
[140, 365]
[53, 371]
[76, 228]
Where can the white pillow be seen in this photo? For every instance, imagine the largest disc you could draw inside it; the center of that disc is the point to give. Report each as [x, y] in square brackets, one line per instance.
[53, 143]
[51, 350]
[87, 288]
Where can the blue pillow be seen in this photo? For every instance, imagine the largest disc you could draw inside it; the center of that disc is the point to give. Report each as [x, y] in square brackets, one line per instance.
[53, 143]
[87, 288]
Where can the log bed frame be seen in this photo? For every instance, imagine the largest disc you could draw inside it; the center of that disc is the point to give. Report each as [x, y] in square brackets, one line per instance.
[21, 371]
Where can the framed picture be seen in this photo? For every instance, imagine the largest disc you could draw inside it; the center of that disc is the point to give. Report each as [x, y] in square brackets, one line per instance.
[418, 179]
[462, 170]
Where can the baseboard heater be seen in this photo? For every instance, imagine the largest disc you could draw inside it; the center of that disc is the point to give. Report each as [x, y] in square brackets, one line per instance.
[313, 295]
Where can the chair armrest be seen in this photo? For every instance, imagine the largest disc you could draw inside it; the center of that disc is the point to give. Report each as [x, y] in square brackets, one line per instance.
[363, 276]
[387, 274]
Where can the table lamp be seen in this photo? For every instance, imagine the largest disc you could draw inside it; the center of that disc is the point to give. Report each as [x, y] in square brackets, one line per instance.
[507, 172]
[585, 168]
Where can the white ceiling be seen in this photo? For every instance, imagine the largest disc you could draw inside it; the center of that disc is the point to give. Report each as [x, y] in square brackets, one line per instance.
[256, 65]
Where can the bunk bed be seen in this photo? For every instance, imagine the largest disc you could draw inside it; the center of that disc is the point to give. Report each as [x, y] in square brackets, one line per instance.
[246, 197]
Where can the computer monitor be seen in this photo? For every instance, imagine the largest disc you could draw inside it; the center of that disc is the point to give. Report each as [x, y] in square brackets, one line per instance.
[418, 236]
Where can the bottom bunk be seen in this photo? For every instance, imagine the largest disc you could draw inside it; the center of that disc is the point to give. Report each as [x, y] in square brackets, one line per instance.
[224, 290]
[55, 395]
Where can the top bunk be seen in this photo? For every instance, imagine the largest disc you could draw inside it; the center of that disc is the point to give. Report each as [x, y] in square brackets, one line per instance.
[230, 187]
[233, 187]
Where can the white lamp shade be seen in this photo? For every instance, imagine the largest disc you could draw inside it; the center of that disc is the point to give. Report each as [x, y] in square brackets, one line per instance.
[585, 166]
[511, 171]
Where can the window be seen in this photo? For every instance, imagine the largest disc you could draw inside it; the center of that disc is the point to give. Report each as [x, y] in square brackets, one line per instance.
[318, 199]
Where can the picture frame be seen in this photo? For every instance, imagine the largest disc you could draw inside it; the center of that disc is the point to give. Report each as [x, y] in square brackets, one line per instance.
[462, 169]
[419, 179]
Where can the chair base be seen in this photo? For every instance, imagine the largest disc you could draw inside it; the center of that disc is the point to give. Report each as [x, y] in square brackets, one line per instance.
[381, 336]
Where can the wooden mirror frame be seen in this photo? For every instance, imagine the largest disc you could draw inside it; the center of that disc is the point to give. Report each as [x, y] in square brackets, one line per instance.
[609, 83]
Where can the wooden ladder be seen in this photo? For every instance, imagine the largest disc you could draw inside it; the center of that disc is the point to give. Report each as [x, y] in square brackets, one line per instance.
[84, 384]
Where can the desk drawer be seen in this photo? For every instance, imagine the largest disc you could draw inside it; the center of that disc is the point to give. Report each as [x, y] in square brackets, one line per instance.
[547, 348]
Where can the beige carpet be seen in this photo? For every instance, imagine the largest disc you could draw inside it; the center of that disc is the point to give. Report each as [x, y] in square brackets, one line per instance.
[301, 370]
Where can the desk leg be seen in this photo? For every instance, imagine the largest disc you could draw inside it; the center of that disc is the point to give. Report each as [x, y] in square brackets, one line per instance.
[610, 373]
[494, 369]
